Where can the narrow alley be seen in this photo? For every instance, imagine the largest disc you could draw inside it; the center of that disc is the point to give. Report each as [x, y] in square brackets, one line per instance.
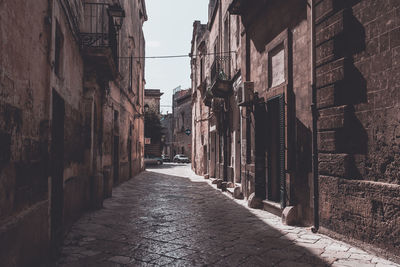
[169, 216]
[199, 133]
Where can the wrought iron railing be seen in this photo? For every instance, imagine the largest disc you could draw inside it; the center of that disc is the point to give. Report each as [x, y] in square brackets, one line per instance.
[220, 69]
[98, 29]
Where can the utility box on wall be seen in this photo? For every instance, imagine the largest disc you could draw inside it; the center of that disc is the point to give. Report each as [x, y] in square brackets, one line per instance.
[245, 93]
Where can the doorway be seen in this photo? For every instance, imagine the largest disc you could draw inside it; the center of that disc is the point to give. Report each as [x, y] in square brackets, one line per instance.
[116, 160]
[130, 157]
[57, 170]
[275, 150]
[205, 161]
[116, 148]
[213, 155]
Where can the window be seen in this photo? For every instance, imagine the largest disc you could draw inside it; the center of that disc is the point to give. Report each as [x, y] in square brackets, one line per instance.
[137, 89]
[116, 122]
[183, 121]
[58, 47]
[201, 69]
[279, 52]
[226, 36]
[215, 48]
[237, 31]
[130, 86]
[226, 54]
[276, 62]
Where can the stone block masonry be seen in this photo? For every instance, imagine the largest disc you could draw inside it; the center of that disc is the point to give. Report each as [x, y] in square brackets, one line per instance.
[70, 127]
[357, 44]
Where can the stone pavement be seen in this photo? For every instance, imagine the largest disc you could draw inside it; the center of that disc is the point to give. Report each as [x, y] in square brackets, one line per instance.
[169, 216]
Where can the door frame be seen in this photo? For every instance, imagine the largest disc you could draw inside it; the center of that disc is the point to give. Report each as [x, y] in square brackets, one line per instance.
[57, 170]
[282, 149]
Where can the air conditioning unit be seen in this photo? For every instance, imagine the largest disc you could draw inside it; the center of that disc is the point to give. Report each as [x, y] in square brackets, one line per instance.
[245, 93]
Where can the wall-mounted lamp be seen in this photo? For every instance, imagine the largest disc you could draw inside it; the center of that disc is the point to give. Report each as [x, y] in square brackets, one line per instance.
[117, 13]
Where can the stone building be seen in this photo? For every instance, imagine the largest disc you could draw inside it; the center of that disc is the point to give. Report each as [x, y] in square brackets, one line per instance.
[215, 68]
[167, 122]
[200, 112]
[71, 127]
[303, 111]
[152, 105]
[182, 125]
[152, 99]
[357, 69]
[277, 124]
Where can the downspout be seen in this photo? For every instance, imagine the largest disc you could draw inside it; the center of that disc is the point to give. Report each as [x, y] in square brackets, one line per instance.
[314, 123]
[48, 95]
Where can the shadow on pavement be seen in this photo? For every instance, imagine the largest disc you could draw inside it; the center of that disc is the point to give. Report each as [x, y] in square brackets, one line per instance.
[161, 219]
[166, 165]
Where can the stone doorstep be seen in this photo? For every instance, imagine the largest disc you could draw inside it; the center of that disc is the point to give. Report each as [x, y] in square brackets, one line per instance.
[230, 190]
[235, 192]
[224, 186]
[272, 207]
[213, 180]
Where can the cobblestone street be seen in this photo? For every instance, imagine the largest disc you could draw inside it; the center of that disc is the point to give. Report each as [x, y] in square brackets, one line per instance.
[169, 216]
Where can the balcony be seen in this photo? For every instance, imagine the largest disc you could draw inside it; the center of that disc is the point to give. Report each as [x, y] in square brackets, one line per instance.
[236, 7]
[221, 83]
[99, 38]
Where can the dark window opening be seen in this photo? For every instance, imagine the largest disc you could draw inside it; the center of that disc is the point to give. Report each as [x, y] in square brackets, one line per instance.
[201, 70]
[137, 89]
[116, 122]
[237, 31]
[227, 39]
[130, 88]
[59, 39]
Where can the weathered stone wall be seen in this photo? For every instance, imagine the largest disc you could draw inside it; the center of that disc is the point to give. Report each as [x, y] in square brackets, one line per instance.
[29, 78]
[152, 99]
[24, 70]
[127, 98]
[358, 44]
[199, 110]
[289, 34]
[182, 105]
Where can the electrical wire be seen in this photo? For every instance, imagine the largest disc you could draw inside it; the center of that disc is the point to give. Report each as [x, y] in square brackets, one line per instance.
[179, 56]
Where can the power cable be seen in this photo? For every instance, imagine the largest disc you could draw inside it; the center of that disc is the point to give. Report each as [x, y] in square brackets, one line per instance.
[178, 56]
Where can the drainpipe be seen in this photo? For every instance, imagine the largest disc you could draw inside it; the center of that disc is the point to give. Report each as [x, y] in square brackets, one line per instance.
[49, 24]
[314, 123]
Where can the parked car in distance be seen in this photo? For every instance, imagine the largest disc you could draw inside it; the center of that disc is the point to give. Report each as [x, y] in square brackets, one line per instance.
[152, 160]
[166, 158]
[181, 159]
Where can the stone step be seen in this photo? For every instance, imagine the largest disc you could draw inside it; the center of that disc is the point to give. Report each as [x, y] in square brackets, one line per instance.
[272, 207]
[235, 192]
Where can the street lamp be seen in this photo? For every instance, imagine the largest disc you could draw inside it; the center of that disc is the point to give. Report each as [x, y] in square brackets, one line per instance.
[117, 13]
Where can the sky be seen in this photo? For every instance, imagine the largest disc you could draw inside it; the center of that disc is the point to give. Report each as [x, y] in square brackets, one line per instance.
[168, 31]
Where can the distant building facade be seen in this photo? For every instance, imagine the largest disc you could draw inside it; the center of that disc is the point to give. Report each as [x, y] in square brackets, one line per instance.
[152, 99]
[200, 112]
[167, 123]
[71, 127]
[182, 127]
[301, 101]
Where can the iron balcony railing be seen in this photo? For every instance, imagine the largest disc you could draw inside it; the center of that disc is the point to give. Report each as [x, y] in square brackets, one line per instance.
[220, 69]
[99, 30]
